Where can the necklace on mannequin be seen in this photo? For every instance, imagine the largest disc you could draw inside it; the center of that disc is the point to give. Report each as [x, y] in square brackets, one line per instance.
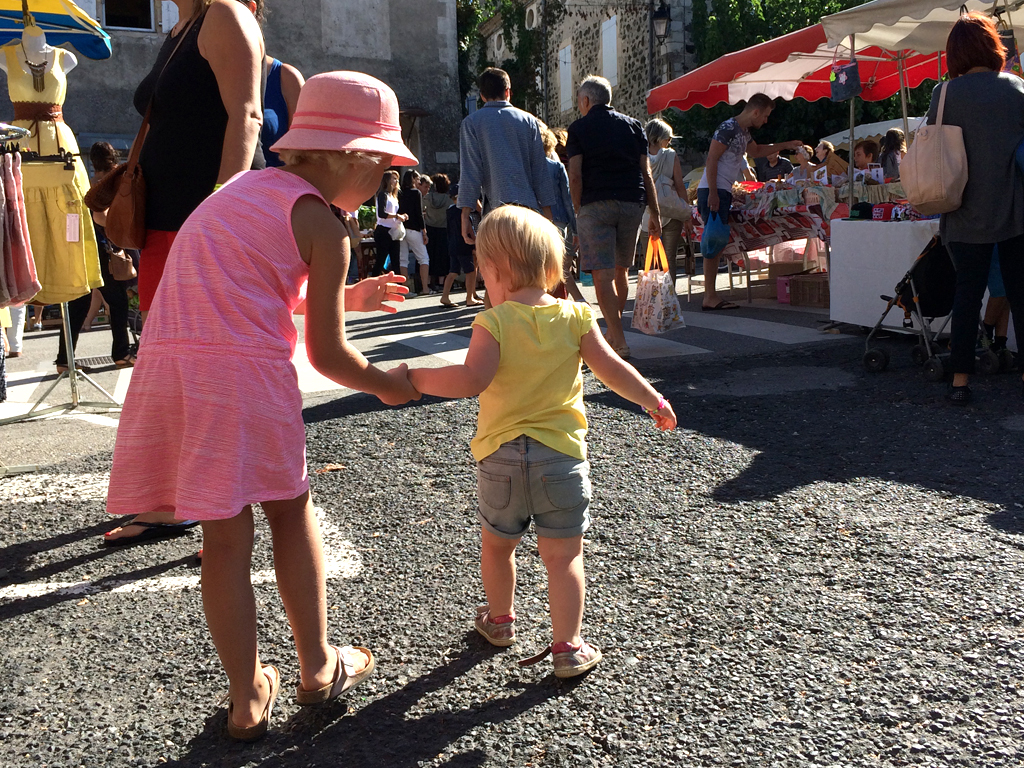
[38, 71]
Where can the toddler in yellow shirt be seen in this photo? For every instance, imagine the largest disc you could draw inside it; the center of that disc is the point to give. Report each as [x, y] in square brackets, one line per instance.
[524, 361]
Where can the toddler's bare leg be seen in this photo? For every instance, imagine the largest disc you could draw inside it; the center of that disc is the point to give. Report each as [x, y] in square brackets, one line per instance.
[498, 570]
[566, 586]
[231, 612]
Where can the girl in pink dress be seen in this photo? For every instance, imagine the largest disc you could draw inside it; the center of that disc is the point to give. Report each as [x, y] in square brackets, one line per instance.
[212, 422]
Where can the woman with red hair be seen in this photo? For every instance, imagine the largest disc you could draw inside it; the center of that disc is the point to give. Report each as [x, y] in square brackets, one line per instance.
[988, 105]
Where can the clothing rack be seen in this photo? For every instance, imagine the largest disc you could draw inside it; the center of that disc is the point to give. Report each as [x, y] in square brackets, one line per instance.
[72, 373]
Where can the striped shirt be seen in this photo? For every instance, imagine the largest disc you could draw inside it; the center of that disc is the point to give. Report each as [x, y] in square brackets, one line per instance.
[501, 159]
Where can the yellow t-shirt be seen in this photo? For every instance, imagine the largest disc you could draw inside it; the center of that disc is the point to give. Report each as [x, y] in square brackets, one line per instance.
[538, 389]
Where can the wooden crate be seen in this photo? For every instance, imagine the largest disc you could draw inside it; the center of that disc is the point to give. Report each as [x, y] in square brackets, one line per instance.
[809, 290]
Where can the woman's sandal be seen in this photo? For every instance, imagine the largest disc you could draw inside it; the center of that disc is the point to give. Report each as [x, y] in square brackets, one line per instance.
[569, 660]
[258, 731]
[345, 678]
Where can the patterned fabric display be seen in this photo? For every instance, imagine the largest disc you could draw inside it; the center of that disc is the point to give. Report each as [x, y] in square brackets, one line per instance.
[656, 309]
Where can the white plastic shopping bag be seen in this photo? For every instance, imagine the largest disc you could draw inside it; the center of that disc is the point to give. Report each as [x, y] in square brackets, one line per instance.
[656, 309]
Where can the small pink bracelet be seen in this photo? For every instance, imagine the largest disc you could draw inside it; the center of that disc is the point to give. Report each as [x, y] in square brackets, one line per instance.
[662, 405]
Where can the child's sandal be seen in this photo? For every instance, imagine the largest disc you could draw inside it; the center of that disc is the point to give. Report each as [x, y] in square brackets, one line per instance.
[569, 660]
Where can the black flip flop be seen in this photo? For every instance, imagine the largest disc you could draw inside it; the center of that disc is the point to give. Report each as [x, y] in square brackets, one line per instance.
[722, 305]
[151, 532]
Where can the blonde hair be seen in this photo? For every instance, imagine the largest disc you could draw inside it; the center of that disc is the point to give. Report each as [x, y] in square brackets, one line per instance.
[336, 161]
[524, 247]
[657, 131]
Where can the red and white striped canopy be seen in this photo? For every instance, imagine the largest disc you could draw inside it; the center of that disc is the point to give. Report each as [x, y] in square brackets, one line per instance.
[794, 66]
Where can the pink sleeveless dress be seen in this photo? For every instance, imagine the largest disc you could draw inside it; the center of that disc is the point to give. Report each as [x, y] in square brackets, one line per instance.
[213, 418]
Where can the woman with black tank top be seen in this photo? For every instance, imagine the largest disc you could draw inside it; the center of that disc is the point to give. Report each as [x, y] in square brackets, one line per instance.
[204, 126]
[205, 115]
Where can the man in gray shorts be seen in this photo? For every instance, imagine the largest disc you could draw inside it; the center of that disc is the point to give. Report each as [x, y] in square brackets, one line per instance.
[610, 180]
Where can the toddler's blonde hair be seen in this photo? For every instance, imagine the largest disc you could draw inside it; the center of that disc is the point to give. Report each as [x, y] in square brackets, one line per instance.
[523, 246]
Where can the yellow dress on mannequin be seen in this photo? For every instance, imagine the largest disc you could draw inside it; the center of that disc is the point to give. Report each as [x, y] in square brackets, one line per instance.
[64, 247]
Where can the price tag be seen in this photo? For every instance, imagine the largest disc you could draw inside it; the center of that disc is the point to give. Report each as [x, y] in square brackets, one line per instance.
[74, 226]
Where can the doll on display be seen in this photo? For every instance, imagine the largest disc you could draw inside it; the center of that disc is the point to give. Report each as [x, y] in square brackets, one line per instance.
[60, 228]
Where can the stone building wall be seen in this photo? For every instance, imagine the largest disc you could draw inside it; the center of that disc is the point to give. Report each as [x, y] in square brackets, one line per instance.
[584, 37]
[409, 44]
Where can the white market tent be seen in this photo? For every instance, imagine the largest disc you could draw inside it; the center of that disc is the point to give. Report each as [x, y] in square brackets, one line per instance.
[841, 140]
[913, 25]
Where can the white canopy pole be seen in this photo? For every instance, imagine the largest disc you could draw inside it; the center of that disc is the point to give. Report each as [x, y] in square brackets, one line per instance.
[901, 62]
[853, 125]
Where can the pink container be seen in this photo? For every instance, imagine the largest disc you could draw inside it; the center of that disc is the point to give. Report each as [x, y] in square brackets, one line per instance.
[782, 289]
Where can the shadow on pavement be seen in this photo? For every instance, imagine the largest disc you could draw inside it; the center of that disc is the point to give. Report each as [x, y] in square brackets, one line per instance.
[20, 607]
[802, 438]
[353, 405]
[382, 733]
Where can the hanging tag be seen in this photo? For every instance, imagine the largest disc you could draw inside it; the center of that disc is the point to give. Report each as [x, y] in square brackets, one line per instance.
[73, 227]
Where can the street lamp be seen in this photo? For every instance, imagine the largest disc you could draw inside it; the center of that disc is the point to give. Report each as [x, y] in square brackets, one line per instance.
[661, 19]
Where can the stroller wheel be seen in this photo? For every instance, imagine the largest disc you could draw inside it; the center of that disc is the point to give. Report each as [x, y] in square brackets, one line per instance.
[1006, 360]
[876, 360]
[988, 362]
[933, 370]
[919, 354]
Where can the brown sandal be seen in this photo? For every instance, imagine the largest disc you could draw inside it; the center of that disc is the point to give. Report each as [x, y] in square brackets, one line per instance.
[345, 677]
[258, 731]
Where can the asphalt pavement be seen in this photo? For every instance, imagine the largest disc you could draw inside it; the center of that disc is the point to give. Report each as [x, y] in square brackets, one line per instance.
[820, 567]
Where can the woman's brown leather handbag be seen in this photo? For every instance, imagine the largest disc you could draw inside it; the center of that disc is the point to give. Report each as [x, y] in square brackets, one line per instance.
[126, 211]
[122, 192]
[121, 266]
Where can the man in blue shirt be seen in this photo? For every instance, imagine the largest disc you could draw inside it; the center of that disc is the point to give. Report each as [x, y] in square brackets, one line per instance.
[610, 181]
[501, 155]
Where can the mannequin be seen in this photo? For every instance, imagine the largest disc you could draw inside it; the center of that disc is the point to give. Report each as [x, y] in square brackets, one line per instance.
[34, 51]
[63, 240]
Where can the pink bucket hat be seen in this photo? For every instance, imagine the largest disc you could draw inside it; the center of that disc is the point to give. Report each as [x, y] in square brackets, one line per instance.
[347, 112]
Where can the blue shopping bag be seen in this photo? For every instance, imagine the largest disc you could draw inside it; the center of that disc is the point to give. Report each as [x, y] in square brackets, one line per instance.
[716, 235]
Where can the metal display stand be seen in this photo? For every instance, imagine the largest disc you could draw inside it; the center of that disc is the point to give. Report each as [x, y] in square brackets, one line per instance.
[73, 375]
[10, 133]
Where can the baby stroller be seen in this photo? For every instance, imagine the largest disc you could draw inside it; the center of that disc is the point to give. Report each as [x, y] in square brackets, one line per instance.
[924, 294]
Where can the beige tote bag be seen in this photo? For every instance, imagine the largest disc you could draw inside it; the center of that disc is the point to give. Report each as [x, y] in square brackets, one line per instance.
[934, 172]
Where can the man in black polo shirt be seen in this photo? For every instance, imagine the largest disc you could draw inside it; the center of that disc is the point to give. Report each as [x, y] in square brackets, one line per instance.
[610, 180]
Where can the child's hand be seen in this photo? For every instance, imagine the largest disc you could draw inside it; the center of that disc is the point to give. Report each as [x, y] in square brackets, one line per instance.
[403, 391]
[370, 295]
[665, 419]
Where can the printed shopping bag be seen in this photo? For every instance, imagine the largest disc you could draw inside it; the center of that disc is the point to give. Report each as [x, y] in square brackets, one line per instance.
[845, 81]
[656, 309]
[1012, 64]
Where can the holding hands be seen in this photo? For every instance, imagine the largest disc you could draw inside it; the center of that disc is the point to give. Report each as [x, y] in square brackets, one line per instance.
[402, 391]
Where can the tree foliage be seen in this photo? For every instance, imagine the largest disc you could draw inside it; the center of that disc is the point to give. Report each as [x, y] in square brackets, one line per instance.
[526, 46]
[724, 26]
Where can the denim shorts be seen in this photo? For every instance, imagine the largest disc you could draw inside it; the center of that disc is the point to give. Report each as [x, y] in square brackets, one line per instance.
[724, 203]
[608, 231]
[525, 479]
